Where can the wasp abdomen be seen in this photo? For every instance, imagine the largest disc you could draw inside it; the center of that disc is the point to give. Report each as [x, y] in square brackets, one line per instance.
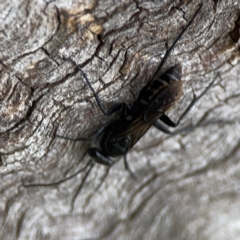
[159, 84]
[172, 74]
[164, 100]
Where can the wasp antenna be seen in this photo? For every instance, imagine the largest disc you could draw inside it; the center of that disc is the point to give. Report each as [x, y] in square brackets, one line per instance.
[173, 45]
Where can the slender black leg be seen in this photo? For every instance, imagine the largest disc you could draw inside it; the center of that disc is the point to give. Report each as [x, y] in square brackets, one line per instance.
[161, 127]
[99, 157]
[157, 73]
[113, 109]
[95, 135]
[128, 168]
[89, 164]
[165, 119]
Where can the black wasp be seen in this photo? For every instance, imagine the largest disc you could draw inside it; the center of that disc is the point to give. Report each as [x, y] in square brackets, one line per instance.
[133, 120]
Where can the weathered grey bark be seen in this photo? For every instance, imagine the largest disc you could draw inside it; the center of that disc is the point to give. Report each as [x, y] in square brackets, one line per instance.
[188, 184]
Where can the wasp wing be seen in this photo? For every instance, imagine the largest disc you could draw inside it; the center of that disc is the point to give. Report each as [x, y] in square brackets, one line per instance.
[136, 129]
[162, 102]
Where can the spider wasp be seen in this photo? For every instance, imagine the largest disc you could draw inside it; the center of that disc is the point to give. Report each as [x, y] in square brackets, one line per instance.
[133, 120]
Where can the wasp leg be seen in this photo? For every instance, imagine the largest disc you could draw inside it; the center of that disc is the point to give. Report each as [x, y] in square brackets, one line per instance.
[89, 165]
[157, 73]
[128, 168]
[161, 127]
[74, 139]
[99, 157]
[95, 135]
[113, 109]
[119, 106]
[165, 119]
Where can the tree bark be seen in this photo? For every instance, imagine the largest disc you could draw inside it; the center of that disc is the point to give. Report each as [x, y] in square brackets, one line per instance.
[187, 184]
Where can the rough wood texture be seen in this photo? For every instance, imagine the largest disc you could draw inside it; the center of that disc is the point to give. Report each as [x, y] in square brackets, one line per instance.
[188, 184]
